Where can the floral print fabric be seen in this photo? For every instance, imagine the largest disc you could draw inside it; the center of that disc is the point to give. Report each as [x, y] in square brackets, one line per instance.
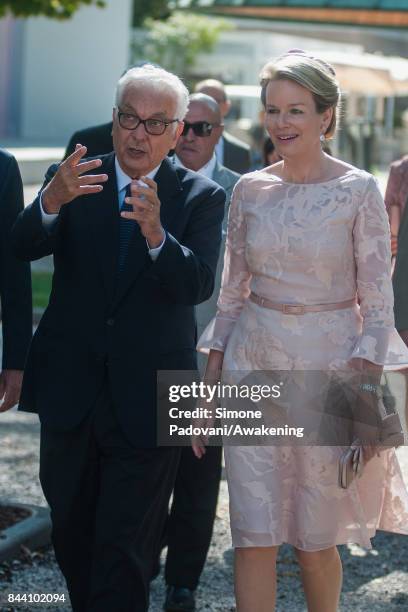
[307, 244]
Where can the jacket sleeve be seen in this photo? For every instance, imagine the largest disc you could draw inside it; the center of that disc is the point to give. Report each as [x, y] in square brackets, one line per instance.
[30, 239]
[187, 270]
[15, 277]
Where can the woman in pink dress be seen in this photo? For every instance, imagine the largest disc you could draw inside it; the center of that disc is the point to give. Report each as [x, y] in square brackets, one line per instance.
[309, 230]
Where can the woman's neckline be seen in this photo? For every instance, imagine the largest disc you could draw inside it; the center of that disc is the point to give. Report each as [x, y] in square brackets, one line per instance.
[335, 178]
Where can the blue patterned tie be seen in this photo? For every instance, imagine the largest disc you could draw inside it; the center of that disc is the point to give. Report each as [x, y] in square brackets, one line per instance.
[126, 229]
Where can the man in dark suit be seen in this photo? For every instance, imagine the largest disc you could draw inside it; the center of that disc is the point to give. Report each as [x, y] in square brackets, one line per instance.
[231, 152]
[195, 494]
[121, 308]
[15, 287]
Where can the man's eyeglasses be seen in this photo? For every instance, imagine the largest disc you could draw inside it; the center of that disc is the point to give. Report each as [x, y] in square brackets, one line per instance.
[200, 128]
[153, 126]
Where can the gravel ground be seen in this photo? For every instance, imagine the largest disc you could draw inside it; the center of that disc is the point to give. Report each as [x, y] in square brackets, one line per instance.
[377, 582]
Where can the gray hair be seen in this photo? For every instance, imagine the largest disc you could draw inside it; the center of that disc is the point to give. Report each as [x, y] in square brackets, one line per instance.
[209, 102]
[313, 74]
[158, 79]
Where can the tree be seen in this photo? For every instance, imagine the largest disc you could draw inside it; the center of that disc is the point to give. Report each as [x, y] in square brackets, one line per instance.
[56, 9]
[176, 43]
[157, 9]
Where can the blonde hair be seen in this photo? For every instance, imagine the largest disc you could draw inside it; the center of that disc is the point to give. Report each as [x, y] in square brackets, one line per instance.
[313, 74]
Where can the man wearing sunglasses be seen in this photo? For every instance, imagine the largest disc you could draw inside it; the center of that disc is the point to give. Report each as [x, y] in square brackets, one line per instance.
[135, 241]
[195, 494]
[231, 152]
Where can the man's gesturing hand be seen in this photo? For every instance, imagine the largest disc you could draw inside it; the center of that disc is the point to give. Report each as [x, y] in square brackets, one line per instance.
[68, 184]
[10, 388]
[146, 211]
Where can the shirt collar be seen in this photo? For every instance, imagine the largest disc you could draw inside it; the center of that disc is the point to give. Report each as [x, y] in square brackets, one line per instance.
[207, 170]
[123, 179]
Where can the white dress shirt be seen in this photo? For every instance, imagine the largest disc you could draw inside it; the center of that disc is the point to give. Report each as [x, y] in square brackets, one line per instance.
[219, 150]
[206, 170]
[122, 181]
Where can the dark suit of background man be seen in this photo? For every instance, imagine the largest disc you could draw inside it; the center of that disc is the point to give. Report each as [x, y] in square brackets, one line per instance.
[97, 140]
[231, 152]
[15, 287]
[121, 307]
[196, 488]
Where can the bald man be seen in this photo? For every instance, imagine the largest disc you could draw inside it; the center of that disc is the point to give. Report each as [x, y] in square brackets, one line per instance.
[231, 152]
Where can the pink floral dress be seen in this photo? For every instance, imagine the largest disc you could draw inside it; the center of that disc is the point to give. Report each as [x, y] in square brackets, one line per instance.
[310, 244]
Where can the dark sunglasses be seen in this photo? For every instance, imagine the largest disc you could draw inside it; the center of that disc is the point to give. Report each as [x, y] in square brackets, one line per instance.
[200, 128]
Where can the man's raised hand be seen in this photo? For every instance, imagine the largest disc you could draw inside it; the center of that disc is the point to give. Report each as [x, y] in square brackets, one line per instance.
[146, 211]
[68, 182]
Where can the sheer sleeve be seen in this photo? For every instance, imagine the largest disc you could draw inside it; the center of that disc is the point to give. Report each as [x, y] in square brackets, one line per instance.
[235, 279]
[371, 237]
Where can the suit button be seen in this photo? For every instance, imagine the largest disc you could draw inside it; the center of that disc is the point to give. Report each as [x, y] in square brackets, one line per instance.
[110, 322]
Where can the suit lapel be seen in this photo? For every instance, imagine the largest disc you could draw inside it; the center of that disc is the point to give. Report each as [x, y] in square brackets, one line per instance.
[138, 259]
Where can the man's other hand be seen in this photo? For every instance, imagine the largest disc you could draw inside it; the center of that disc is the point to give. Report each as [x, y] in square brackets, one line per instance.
[68, 184]
[146, 211]
[10, 388]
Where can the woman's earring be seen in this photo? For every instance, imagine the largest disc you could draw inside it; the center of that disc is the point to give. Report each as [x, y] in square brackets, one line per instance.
[322, 138]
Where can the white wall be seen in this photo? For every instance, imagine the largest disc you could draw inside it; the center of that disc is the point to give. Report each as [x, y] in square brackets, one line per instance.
[70, 70]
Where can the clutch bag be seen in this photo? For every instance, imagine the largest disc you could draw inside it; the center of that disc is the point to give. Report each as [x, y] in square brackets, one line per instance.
[350, 465]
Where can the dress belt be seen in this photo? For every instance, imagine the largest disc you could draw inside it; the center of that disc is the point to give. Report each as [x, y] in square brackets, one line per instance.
[299, 309]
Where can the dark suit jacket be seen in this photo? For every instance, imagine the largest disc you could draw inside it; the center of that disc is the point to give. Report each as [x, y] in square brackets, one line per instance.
[237, 154]
[15, 278]
[97, 139]
[95, 326]
[400, 277]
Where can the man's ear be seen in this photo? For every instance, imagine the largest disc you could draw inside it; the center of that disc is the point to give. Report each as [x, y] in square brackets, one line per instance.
[177, 133]
[227, 106]
[220, 132]
[113, 118]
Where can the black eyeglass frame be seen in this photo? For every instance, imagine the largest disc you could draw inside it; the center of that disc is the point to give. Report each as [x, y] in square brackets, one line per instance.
[165, 124]
[197, 127]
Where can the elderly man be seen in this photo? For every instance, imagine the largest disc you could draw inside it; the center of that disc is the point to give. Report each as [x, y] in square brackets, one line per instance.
[15, 287]
[231, 152]
[196, 489]
[135, 243]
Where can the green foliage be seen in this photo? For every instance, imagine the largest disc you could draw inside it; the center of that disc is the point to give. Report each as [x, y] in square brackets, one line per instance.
[156, 9]
[57, 9]
[41, 282]
[176, 42]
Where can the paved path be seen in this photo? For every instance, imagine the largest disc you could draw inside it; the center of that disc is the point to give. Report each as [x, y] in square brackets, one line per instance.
[374, 581]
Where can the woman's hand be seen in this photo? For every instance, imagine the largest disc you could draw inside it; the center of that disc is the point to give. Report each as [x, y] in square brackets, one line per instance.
[199, 442]
[371, 451]
[367, 406]
[211, 377]
[363, 365]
